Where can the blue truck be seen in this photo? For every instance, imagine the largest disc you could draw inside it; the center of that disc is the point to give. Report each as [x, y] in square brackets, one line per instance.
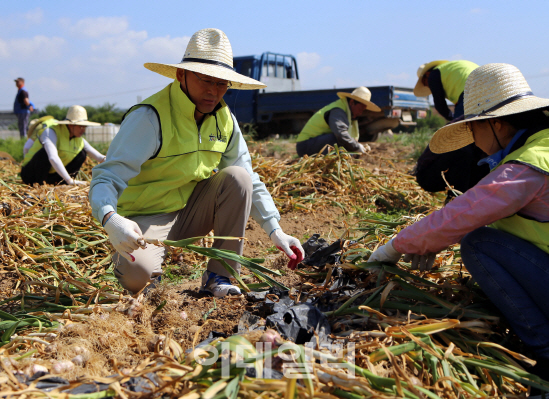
[283, 108]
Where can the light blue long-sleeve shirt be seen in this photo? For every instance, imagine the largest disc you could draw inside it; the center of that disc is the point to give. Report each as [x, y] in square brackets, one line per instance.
[138, 140]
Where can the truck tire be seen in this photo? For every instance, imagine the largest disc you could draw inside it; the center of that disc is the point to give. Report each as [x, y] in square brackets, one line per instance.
[372, 130]
[369, 137]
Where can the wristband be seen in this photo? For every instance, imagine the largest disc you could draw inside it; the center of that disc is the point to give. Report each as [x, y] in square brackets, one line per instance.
[271, 233]
[109, 218]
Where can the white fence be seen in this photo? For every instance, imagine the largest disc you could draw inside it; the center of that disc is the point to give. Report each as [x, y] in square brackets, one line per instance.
[101, 134]
[94, 134]
[5, 134]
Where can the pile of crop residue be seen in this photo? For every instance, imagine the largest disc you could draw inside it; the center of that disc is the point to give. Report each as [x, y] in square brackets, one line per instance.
[380, 330]
[337, 179]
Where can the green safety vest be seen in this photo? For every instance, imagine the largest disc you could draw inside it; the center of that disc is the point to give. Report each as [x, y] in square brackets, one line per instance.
[317, 125]
[453, 75]
[534, 153]
[186, 156]
[67, 148]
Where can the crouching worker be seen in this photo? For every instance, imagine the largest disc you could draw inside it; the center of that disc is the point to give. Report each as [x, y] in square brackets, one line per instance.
[160, 180]
[503, 221]
[59, 150]
[336, 123]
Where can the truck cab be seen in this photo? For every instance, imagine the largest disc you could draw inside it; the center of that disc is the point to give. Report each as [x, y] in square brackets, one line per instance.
[277, 71]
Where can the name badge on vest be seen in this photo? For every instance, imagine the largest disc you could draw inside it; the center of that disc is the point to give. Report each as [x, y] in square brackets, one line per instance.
[223, 138]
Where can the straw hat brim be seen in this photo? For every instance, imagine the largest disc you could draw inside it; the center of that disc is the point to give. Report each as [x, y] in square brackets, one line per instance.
[238, 81]
[5, 155]
[457, 135]
[420, 90]
[369, 105]
[79, 123]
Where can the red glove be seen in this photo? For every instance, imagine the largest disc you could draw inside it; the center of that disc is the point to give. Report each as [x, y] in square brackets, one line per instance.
[290, 246]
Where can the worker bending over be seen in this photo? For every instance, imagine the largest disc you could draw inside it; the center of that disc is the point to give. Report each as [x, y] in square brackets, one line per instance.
[446, 80]
[503, 221]
[59, 151]
[336, 123]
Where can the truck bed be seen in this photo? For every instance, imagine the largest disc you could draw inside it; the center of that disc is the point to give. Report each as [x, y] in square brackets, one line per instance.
[310, 101]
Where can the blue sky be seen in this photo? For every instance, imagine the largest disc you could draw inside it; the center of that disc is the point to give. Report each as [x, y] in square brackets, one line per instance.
[93, 52]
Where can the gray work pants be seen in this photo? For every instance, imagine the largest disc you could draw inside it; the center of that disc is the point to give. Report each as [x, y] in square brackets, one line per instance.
[313, 145]
[23, 123]
[221, 203]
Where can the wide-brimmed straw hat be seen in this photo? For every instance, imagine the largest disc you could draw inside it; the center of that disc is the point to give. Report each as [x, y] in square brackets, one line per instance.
[491, 90]
[421, 90]
[362, 95]
[209, 52]
[77, 115]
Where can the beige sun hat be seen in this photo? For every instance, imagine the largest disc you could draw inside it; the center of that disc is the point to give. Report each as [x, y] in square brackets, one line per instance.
[362, 95]
[209, 52]
[421, 90]
[77, 115]
[491, 90]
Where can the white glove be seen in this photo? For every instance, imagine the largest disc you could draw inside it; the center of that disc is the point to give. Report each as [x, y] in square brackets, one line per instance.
[78, 183]
[290, 246]
[425, 262]
[363, 149]
[123, 234]
[385, 253]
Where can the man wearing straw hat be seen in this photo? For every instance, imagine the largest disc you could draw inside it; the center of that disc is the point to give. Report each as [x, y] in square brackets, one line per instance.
[59, 151]
[336, 123]
[160, 180]
[503, 221]
[446, 80]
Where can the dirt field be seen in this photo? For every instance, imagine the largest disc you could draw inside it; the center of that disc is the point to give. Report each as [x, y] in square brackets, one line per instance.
[57, 278]
[329, 222]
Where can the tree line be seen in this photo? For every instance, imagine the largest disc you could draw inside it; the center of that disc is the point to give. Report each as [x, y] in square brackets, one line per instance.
[106, 113]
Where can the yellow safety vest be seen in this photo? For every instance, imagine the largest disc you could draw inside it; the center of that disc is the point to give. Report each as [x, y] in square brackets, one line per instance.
[534, 153]
[37, 126]
[67, 148]
[186, 156]
[317, 125]
[453, 75]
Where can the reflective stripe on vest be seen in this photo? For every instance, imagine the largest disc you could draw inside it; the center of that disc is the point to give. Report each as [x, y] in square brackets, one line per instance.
[317, 126]
[534, 153]
[453, 75]
[67, 148]
[167, 180]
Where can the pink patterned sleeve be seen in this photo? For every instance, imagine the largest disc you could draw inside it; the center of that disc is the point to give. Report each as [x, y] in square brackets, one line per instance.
[502, 193]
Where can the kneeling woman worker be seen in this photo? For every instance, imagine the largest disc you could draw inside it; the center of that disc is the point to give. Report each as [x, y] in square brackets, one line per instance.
[503, 221]
[59, 151]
